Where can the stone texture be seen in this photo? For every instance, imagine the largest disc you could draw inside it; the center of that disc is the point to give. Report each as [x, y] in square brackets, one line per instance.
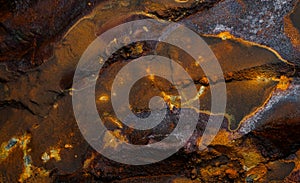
[41, 43]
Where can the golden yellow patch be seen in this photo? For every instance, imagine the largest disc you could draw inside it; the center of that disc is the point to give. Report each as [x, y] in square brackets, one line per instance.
[283, 82]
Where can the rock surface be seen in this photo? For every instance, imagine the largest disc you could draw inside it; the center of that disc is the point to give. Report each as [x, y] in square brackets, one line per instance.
[257, 45]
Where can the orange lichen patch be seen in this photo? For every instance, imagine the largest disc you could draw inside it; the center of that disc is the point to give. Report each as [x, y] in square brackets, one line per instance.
[211, 172]
[208, 172]
[3, 153]
[283, 82]
[232, 173]
[258, 172]
[222, 138]
[138, 48]
[27, 173]
[227, 35]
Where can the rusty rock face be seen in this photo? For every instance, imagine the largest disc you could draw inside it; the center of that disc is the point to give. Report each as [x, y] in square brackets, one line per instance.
[266, 23]
[256, 43]
[28, 29]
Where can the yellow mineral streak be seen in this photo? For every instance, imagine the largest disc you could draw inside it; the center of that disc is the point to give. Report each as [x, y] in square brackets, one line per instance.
[283, 84]
[195, 98]
[181, 1]
[115, 121]
[174, 101]
[254, 112]
[88, 161]
[27, 173]
[226, 35]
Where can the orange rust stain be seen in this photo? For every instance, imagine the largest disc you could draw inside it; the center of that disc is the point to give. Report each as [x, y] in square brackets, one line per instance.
[292, 32]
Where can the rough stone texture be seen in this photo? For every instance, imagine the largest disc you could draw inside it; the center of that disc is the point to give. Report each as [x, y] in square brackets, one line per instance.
[260, 22]
[40, 140]
[28, 29]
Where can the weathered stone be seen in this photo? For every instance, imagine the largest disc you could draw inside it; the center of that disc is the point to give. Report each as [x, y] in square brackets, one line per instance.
[41, 142]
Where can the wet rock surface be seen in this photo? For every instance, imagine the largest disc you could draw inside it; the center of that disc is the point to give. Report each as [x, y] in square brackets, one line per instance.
[256, 43]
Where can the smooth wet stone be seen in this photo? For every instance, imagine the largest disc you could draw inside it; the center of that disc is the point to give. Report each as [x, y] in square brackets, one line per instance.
[277, 122]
